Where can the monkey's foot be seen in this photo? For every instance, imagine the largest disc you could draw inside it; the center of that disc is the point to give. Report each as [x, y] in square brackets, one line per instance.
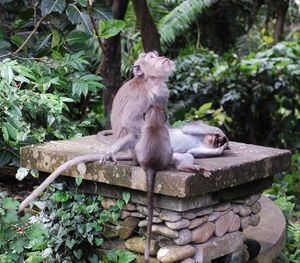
[193, 168]
[107, 157]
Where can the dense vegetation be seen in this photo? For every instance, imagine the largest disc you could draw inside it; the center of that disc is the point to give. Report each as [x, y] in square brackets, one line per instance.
[62, 62]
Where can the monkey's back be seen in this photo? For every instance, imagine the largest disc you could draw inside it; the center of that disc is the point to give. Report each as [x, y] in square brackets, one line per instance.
[153, 151]
[130, 103]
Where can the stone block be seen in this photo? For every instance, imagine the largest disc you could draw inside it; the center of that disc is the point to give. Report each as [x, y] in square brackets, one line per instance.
[217, 247]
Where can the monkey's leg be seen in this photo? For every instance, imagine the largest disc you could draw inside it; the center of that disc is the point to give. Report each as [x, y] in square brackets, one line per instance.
[124, 143]
[203, 151]
[185, 162]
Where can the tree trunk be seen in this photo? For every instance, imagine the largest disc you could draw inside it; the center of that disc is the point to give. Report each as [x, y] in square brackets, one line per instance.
[110, 66]
[149, 32]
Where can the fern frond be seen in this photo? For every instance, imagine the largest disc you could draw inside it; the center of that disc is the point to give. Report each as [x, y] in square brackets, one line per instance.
[180, 18]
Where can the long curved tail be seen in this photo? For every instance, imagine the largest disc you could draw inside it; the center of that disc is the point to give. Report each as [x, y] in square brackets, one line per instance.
[102, 136]
[150, 193]
[77, 160]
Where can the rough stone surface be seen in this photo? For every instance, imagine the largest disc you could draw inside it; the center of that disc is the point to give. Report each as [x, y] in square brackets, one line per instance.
[256, 208]
[245, 222]
[244, 210]
[110, 231]
[223, 224]
[175, 253]
[164, 231]
[253, 161]
[222, 207]
[124, 214]
[235, 224]
[205, 211]
[167, 215]
[189, 215]
[202, 233]
[129, 226]
[136, 244]
[248, 200]
[270, 236]
[198, 221]
[137, 214]
[164, 241]
[214, 216]
[140, 259]
[218, 246]
[185, 237]
[254, 220]
[144, 210]
[187, 260]
[182, 223]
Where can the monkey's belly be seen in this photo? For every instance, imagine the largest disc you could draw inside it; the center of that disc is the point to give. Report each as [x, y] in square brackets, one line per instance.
[182, 142]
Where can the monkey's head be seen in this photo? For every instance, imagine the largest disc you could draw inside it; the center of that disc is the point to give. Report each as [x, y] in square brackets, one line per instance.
[156, 114]
[152, 65]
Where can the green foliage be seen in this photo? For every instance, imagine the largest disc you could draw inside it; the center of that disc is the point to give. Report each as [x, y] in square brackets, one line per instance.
[19, 240]
[77, 226]
[259, 92]
[180, 18]
[35, 99]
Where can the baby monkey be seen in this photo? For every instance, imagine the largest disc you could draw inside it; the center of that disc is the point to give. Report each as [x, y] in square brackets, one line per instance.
[153, 152]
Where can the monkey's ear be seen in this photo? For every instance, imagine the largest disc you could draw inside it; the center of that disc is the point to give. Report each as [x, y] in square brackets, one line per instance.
[166, 118]
[138, 71]
[144, 116]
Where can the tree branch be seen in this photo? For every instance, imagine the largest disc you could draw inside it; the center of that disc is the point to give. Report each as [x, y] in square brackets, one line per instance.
[30, 36]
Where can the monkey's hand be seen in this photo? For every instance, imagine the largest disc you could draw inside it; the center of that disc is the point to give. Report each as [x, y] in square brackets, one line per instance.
[193, 168]
[107, 157]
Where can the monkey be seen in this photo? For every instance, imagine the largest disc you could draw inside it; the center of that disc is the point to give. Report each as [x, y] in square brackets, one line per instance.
[133, 99]
[153, 152]
[193, 139]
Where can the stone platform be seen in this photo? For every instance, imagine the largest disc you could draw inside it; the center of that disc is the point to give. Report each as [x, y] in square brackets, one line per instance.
[195, 217]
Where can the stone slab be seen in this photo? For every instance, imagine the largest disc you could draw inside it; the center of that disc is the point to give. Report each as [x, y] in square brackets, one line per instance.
[243, 163]
[218, 246]
[270, 232]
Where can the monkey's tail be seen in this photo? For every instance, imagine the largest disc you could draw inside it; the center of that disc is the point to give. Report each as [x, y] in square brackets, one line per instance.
[102, 136]
[150, 173]
[77, 160]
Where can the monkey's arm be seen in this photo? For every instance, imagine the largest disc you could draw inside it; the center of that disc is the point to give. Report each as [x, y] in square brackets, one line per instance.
[203, 151]
[124, 143]
[200, 128]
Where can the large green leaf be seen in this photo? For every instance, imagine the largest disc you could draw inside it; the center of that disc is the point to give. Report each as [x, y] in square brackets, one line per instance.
[49, 6]
[110, 27]
[77, 37]
[79, 18]
[180, 19]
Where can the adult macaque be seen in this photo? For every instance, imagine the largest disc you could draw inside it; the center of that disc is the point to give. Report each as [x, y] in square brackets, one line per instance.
[153, 152]
[131, 102]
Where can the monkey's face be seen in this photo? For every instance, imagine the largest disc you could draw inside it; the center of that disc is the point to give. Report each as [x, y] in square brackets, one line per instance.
[152, 65]
[214, 140]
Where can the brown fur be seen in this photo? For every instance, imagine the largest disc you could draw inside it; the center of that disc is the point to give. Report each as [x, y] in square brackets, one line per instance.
[154, 153]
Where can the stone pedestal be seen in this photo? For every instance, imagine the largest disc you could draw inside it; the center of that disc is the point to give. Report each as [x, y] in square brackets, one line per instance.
[196, 219]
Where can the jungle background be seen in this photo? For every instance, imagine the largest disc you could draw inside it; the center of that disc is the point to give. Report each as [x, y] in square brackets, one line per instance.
[62, 62]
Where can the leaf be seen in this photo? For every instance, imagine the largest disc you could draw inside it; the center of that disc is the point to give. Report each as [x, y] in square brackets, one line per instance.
[99, 241]
[55, 38]
[126, 197]
[77, 37]
[120, 204]
[110, 27]
[7, 73]
[204, 108]
[78, 17]
[22, 173]
[70, 243]
[78, 180]
[115, 216]
[78, 253]
[48, 6]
